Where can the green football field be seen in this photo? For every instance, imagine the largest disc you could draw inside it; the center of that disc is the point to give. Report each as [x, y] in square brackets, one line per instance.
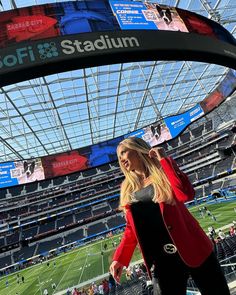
[86, 263]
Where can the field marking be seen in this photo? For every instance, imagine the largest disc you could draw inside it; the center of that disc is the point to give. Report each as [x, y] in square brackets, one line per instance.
[103, 269]
[44, 281]
[38, 266]
[39, 287]
[67, 271]
[25, 284]
[83, 268]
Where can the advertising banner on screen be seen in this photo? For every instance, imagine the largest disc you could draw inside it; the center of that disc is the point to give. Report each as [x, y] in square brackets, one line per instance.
[85, 16]
[133, 15]
[30, 23]
[147, 16]
[199, 24]
[20, 172]
[225, 89]
[65, 163]
[6, 178]
[104, 152]
[178, 123]
[55, 19]
[75, 17]
[156, 133]
[81, 159]
[138, 133]
[166, 17]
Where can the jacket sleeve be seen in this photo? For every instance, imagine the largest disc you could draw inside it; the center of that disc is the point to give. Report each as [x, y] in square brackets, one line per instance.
[179, 181]
[125, 250]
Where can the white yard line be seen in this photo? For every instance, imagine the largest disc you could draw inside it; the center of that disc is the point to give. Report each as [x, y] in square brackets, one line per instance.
[43, 281]
[39, 287]
[83, 268]
[103, 269]
[76, 256]
[25, 283]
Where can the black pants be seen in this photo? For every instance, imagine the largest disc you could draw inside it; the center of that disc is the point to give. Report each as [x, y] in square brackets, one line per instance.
[172, 276]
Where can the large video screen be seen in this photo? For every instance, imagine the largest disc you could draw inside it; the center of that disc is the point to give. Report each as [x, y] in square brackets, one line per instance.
[21, 172]
[224, 90]
[75, 17]
[178, 123]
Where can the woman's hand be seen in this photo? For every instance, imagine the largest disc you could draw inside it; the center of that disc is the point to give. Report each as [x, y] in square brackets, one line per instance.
[116, 270]
[157, 152]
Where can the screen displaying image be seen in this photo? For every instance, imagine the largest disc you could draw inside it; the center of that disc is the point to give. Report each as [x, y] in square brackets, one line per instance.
[28, 171]
[225, 88]
[165, 17]
[156, 133]
[178, 123]
[75, 17]
[55, 19]
[65, 163]
[20, 172]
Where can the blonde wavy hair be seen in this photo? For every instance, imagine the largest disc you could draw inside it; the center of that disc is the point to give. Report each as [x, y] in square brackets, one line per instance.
[131, 184]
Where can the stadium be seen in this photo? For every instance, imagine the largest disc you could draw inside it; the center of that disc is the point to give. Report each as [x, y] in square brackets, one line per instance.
[77, 78]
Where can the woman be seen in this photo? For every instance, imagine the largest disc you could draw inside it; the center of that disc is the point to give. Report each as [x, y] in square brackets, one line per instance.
[172, 243]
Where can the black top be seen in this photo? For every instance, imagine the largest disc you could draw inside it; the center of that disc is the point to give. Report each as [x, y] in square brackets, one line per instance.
[151, 230]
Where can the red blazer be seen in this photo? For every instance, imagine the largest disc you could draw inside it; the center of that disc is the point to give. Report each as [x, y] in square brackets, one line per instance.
[192, 243]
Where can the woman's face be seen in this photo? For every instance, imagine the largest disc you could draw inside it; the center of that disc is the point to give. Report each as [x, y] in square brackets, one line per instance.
[129, 159]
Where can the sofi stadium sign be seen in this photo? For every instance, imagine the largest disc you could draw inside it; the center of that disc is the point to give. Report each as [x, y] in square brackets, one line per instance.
[19, 57]
[53, 49]
[102, 43]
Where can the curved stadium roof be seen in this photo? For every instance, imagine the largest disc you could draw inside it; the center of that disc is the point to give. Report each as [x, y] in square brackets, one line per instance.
[69, 110]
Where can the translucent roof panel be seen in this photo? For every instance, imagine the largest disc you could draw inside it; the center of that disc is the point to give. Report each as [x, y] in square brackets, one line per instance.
[73, 109]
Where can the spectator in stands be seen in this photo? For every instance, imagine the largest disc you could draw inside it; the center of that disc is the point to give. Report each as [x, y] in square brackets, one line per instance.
[90, 290]
[75, 292]
[128, 274]
[95, 288]
[221, 235]
[111, 282]
[105, 287]
[152, 197]
[100, 289]
[232, 231]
